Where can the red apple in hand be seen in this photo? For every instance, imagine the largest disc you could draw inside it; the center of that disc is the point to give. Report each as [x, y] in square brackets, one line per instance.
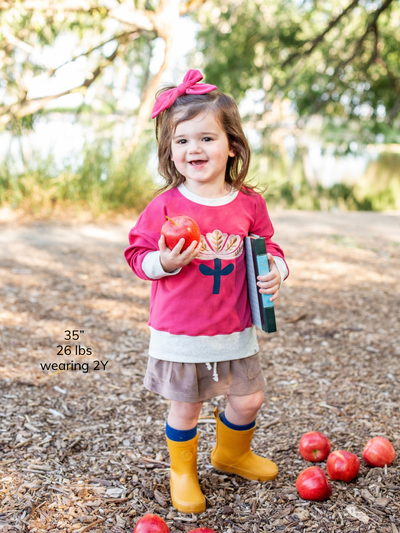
[342, 465]
[180, 227]
[379, 452]
[312, 484]
[314, 446]
[151, 523]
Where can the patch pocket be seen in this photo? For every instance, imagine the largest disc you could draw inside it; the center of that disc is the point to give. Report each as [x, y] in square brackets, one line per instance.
[253, 366]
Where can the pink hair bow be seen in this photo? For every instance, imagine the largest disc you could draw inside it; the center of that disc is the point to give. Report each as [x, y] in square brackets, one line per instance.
[188, 86]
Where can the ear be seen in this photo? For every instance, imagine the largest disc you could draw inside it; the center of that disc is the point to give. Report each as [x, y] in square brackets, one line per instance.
[231, 153]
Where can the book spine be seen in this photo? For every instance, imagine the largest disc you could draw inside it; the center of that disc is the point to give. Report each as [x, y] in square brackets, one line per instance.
[261, 267]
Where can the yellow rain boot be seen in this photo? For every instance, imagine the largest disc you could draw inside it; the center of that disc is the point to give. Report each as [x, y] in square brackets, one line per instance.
[186, 494]
[232, 454]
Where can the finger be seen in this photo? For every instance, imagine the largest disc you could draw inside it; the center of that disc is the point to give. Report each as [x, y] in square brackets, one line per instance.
[267, 277]
[162, 244]
[179, 246]
[189, 250]
[271, 297]
[269, 290]
[275, 296]
[195, 250]
[271, 260]
[271, 283]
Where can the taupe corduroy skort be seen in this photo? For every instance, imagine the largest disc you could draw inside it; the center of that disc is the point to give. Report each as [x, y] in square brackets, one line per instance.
[194, 382]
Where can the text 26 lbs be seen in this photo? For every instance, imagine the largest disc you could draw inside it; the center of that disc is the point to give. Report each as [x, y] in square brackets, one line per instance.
[68, 350]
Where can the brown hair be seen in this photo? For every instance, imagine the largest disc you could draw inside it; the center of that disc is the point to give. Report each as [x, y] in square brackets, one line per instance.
[188, 106]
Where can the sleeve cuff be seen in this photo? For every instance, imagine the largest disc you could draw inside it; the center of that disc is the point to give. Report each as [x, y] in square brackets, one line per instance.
[153, 269]
[281, 266]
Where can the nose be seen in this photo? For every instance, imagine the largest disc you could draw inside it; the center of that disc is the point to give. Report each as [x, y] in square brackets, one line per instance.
[194, 148]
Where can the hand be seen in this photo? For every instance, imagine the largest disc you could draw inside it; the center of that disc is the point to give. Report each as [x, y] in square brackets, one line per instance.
[271, 282]
[172, 259]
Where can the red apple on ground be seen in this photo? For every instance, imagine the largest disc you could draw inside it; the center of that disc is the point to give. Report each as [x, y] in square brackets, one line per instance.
[312, 484]
[151, 523]
[180, 227]
[342, 465]
[379, 452]
[314, 446]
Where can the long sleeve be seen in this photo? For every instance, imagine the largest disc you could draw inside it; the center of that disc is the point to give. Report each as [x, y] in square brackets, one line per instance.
[263, 227]
[142, 254]
[141, 242]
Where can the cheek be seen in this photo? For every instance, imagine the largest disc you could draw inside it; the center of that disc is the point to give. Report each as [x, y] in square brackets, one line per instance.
[176, 154]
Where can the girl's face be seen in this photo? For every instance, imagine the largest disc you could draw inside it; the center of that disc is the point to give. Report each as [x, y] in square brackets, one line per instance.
[200, 151]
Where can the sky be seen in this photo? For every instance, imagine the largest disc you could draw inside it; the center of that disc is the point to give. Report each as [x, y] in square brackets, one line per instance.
[73, 74]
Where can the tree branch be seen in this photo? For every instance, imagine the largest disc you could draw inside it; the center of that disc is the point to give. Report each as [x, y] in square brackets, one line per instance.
[393, 77]
[140, 19]
[370, 27]
[16, 42]
[27, 107]
[374, 54]
[132, 34]
[394, 111]
[315, 42]
[396, 84]
[162, 22]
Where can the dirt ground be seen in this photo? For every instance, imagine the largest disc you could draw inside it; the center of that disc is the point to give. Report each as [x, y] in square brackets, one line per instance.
[84, 450]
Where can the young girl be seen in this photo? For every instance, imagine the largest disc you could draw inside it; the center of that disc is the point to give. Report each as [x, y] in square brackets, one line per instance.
[202, 341]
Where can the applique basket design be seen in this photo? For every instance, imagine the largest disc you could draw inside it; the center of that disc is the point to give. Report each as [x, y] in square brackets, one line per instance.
[218, 246]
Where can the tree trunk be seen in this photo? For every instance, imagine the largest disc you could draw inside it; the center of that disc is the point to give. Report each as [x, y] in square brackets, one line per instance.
[166, 19]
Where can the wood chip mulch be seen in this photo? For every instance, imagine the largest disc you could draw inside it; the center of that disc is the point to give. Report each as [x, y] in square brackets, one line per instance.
[85, 451]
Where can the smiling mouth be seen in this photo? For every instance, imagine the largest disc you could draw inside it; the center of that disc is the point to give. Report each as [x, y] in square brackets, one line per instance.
[198, 162]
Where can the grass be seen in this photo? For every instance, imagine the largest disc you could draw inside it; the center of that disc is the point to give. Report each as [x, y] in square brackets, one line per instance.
[287, 186]
[104, 180]
[99, 180]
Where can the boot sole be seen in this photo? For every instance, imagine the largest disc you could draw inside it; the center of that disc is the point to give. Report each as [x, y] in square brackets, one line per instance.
[189, 508]
[242, 473]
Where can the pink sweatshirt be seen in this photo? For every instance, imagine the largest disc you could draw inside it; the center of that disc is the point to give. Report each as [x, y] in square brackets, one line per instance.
[201, 313]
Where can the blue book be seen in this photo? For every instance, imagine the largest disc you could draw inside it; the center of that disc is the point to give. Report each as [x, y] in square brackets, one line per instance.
[262, 309]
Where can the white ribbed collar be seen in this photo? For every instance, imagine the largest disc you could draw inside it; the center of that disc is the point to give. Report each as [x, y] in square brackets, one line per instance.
[223, 200]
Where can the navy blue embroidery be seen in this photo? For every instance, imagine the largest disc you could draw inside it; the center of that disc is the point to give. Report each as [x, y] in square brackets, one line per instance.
[217, 272]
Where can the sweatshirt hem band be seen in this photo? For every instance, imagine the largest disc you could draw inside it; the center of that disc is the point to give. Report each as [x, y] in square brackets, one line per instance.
[202, 348]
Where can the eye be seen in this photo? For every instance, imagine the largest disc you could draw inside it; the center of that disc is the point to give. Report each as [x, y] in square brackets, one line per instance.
[181, 141]
[207, 139]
